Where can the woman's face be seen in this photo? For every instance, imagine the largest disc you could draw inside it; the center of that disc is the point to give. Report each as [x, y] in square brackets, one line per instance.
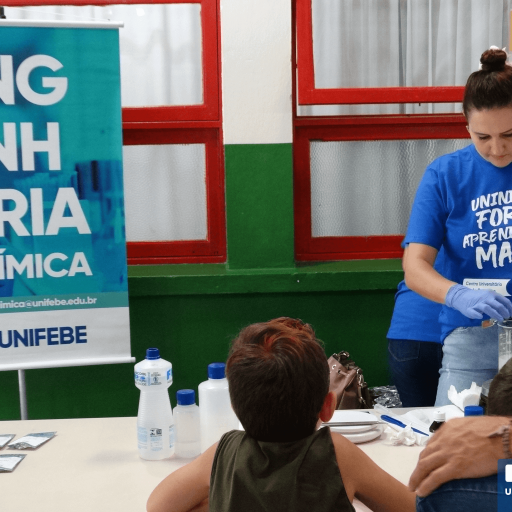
[491, 133]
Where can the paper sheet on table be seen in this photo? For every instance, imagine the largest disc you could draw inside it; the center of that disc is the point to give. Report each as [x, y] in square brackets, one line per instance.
[426, 416]
[352, 416]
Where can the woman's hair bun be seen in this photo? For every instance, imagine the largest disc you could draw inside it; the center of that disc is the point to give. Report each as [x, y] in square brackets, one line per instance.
[493, 60]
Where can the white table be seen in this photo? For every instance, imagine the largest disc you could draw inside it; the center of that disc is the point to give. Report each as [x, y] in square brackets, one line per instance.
[93, 465]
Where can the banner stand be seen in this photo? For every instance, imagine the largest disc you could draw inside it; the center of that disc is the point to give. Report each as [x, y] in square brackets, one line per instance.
[63, 273]
[23, 395]
[60, 364]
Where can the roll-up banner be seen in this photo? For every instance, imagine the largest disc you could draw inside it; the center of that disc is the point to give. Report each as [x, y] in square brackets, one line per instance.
[63, 274]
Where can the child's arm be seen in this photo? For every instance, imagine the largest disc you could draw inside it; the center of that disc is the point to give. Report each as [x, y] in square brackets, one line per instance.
[369, 483]
[185, 490]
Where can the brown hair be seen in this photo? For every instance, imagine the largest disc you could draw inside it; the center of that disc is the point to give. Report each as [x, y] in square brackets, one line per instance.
[499, 401]
[278, 379]
[491, 87]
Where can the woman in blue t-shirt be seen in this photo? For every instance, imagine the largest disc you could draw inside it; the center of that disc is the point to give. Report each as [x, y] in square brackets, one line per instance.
[464, 204]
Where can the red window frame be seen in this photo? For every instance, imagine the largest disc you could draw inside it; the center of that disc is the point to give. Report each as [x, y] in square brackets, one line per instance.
[210, 109]
[187, 124]
[213, 249]
[350, 128]
[308, 94]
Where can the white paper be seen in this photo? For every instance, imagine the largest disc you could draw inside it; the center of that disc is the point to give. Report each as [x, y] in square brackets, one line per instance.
[426, 416]
[466, 397]
[406, 436]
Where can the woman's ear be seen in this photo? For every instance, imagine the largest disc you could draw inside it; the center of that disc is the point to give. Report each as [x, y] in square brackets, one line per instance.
[328, 407]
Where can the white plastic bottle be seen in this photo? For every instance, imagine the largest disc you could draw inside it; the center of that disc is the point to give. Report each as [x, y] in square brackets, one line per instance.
[155, 426]
[186, 420]
[216, 414]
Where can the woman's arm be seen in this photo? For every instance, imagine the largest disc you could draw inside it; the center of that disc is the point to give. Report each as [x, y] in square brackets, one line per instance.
[420, 276]
[368, 482]
[186, 489]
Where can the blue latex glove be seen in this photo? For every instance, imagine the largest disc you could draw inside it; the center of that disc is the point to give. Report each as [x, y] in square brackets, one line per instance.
[475, 303]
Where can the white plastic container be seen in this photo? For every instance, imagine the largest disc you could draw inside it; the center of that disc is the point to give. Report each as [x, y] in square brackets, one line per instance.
[155, 425]
[216, 414]
[186, 420]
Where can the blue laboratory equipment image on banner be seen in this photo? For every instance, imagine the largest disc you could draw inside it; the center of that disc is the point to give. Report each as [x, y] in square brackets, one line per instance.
[63, 273]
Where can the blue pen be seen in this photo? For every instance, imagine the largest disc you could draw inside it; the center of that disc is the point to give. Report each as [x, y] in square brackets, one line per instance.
[389, 419]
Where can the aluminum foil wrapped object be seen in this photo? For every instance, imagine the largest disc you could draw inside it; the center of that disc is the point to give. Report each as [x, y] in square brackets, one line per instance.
[386, 395]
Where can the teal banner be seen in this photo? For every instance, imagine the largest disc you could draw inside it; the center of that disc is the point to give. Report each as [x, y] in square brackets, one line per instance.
[62, 228]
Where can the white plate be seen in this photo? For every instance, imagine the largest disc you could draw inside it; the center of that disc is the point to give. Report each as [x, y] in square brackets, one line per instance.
[362, 437]
[351, 429]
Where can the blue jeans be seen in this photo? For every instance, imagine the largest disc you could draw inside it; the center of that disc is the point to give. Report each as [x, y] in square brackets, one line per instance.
[470, 354]
[414, 367]
[466, 495]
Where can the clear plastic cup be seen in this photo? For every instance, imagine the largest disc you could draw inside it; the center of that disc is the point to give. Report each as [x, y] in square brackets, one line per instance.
[504, 342]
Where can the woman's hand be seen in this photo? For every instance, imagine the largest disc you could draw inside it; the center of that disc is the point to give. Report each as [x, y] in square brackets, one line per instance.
[475, 303]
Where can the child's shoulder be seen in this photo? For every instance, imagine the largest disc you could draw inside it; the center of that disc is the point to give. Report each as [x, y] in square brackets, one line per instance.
[341, 444]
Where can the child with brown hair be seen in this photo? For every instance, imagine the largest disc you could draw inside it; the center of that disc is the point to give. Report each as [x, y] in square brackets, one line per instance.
[499, 401]
[279, 387]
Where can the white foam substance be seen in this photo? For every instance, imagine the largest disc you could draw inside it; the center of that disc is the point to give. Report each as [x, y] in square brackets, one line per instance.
[466, 397]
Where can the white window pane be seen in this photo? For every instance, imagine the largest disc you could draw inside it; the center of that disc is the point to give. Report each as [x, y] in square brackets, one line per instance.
[165, 192]
[160, 45]
[355, 43]
[363, 188]
[396, 43]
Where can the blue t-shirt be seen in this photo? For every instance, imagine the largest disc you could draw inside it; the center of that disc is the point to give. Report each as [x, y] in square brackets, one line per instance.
[414, 317]
[464, 204]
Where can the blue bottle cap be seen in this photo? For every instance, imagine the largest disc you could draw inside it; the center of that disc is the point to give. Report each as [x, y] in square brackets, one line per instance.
[216, 370]
[186, 397]
[152, 353]
[473, 410]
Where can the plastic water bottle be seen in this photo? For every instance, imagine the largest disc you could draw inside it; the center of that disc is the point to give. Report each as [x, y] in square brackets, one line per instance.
[216, 414]
[155, 426]
[186, 419]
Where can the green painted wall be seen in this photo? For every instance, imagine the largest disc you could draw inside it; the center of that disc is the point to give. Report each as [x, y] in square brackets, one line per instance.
[191, 312]
[259, 205]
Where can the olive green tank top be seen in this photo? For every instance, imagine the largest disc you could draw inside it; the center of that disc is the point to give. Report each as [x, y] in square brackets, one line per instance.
[255, 476]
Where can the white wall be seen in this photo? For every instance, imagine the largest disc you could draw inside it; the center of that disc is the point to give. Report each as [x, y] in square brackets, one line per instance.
[256, 71]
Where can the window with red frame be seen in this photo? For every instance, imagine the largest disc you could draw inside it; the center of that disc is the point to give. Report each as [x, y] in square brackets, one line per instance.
[378, 90]
[170, 89]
